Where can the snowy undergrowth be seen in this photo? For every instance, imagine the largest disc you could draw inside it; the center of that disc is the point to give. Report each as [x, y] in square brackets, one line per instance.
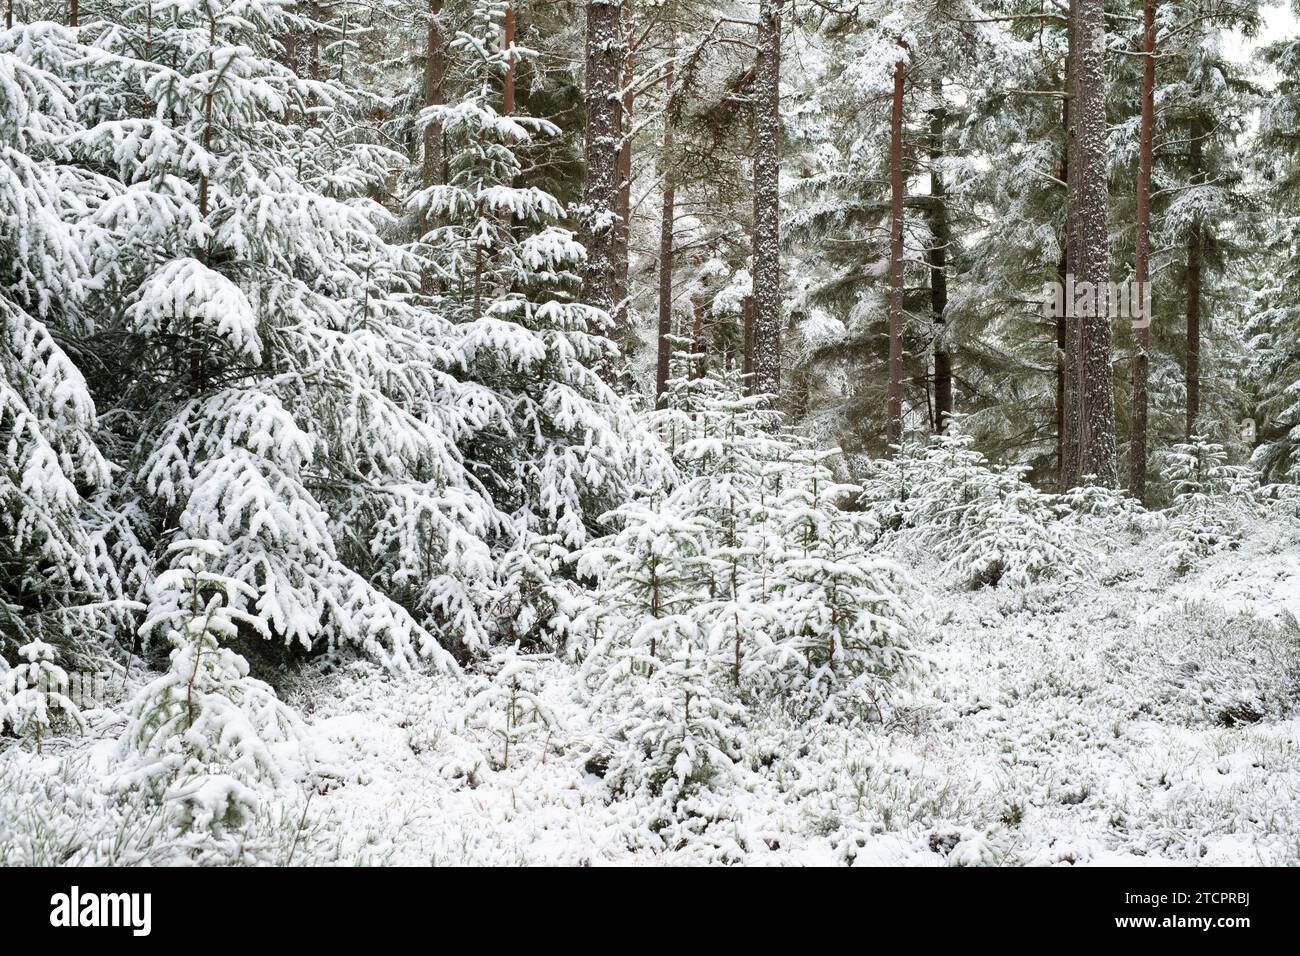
[1138, 715]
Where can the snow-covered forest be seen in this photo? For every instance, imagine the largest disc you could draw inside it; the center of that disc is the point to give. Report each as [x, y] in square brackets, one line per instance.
[649, 431]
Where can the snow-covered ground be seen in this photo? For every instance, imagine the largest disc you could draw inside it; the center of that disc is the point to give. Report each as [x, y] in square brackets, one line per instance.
[1136, 718]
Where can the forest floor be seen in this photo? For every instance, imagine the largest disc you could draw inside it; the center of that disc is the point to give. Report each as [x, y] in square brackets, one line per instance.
[1134, 718]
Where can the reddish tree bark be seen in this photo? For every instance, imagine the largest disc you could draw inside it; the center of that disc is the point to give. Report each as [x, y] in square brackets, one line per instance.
[623, 225]
[508, 81]
[667, 219]
[435, 71]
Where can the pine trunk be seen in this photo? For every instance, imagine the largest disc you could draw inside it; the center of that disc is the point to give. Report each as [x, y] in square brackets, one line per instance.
[894, 412]
[1137, 482]
[1096, 394]
[767, 202]
[940, 238]
[1067, 332]
[623, 224]
[667, 221]
[508, 81]
[1194, 254]
[435, 70]
[604, 137]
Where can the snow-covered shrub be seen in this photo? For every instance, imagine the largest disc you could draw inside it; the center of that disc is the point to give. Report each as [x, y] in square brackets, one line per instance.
[1199, 664]
[729, 453]
[1017, 539]
[31, 691]
[205, 737]
[658, 685]
[672, 718]
[1198, 469]
[986, 522]
[747, 585]
[933, 492]
[1104, 510]
[507, 704]
[1211, 499]
[838, 640]
[653, 568]
[536, 593]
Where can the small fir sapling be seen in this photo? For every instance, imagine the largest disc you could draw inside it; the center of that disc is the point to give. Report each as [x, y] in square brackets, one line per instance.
[840, 639]
[205, 737]
[33, 690]
[508, 705]
[1211, 497]
[988, 524]
[656, 681]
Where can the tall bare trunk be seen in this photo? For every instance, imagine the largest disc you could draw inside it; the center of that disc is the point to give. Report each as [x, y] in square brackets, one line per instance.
[604, 136]
[1067, 325]
[1137, 481]
[767, 201]
[894, 413]
[747, 353]
[74, 14]
[508, 81]
[1194, 254]
[435, 71]
[940, 238]
[667, 221]
[1062, 344]
[1096, 396]
[623, 223]
[697, 339]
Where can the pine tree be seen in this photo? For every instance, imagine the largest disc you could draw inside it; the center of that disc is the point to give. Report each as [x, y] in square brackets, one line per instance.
[508, 705]
[285, 395]
[840, 642]
[561, 446]
[1275, 318]
[205, 736]
[31, 691]
[53, 473]
[1210, 500]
